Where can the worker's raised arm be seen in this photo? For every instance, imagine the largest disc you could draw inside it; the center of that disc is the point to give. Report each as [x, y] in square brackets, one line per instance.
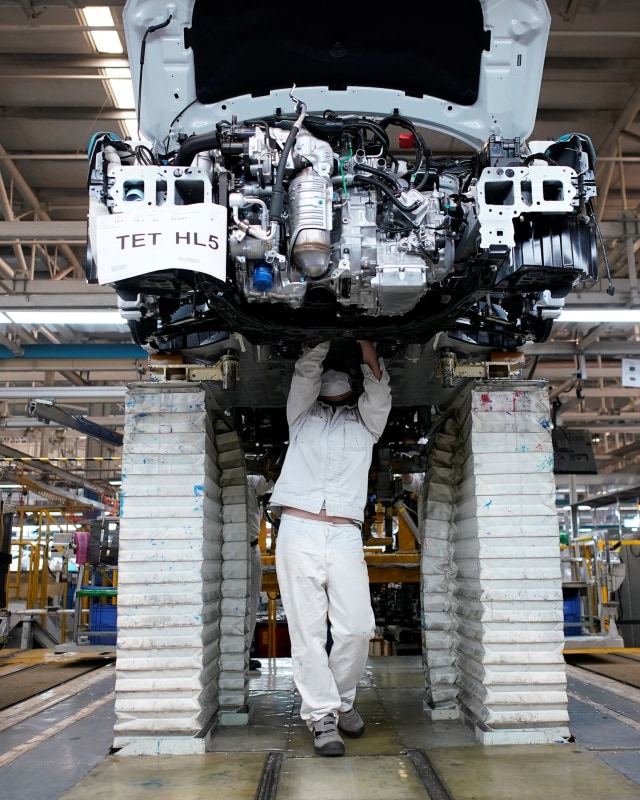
[370, 357]
[374, 403]
[305, 384]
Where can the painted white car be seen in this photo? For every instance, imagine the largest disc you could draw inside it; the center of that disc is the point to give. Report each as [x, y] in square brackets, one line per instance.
[339, 177]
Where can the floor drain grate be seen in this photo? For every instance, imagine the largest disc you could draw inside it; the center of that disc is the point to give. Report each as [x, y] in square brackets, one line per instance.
[429, 777]
[268, 786]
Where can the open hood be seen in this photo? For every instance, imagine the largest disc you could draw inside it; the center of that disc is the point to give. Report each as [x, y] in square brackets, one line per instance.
[470, 69]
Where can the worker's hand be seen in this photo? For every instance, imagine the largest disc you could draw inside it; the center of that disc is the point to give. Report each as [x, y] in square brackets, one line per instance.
[370, 357]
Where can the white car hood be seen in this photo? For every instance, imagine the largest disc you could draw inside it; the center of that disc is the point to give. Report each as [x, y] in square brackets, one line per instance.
[469, 68]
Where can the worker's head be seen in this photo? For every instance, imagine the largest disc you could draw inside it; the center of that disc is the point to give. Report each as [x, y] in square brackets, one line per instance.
[335, 386]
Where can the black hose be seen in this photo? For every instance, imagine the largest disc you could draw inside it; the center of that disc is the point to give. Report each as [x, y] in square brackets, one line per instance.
[540, 157]
[380, 174]
[367, 125]
[365, 179]
[422, 151]
[277, 194]
[193, 146]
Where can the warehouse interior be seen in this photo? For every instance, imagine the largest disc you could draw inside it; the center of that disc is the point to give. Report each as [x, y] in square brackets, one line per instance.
[67, 367]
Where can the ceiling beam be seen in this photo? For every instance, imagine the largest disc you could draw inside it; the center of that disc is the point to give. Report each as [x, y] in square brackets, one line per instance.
[67, 293]
[31, 198]
[614, 349]
[65, 113]
[18, 422]
[609, 391]
[609, 147]
[42, 5]
[52, 231]
[125, 367]
[96, 393]
[53, 61]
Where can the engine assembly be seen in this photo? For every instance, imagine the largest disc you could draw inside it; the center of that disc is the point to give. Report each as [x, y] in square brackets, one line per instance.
[328, 215]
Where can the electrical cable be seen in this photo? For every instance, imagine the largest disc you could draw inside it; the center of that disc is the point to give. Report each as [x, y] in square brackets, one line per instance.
[143, 47]
[610, 288]
[277, 195]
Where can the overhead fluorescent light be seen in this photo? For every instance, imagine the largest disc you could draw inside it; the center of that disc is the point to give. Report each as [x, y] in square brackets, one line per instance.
[121, 86]
[599, 315]
[118, 78]
[64, 317]
[104, 41]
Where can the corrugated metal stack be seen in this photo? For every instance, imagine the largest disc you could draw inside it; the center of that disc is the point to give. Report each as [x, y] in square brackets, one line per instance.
[438, 573]
[170, 571]
[507, 549]
[505, 579]
[234, 621]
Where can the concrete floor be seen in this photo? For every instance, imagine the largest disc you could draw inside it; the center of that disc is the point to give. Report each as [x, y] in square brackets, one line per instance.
[63, 750]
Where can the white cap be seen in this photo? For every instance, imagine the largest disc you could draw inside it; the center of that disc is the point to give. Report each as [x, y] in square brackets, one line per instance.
[334, 383]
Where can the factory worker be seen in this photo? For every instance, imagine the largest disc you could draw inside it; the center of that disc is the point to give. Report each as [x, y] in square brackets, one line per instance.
[322, 574]
[412, 483]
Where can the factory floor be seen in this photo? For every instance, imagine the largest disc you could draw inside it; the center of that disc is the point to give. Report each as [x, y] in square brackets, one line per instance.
[57, 745]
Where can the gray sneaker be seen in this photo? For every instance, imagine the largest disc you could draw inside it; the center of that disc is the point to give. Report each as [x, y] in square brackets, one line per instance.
[326, 739]
[350, 723]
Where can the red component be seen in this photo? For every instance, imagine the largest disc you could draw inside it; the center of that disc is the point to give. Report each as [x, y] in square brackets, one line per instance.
[406, 141]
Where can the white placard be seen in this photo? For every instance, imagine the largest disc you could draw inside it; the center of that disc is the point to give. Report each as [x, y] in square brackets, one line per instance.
[631, 372]
[162, 237]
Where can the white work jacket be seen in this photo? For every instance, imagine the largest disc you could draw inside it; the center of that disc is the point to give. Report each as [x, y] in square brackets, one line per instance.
[329, 455]
[257, 485]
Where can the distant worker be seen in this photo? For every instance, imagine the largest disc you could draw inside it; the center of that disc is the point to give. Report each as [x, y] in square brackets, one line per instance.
[257, 485]
[322, 574]
[412, 482]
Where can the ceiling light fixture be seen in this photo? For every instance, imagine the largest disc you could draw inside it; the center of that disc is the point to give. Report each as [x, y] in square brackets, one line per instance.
[35, 317]
[118, 78]
[600, 315]
[105, 41]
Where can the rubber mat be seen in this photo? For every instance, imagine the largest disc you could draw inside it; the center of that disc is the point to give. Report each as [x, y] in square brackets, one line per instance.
[625, 669]
[33, 680]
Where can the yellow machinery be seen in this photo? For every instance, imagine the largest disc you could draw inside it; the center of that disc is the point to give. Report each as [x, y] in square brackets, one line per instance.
[35, 539]
[40, 536]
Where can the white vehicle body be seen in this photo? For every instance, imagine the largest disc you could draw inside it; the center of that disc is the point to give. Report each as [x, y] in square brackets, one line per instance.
[284, 189]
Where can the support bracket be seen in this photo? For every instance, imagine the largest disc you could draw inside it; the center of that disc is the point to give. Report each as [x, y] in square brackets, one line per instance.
[501, 365]
[226, 370]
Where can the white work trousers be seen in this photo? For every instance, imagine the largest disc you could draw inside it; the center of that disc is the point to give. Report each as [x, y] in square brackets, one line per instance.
[323, 578]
